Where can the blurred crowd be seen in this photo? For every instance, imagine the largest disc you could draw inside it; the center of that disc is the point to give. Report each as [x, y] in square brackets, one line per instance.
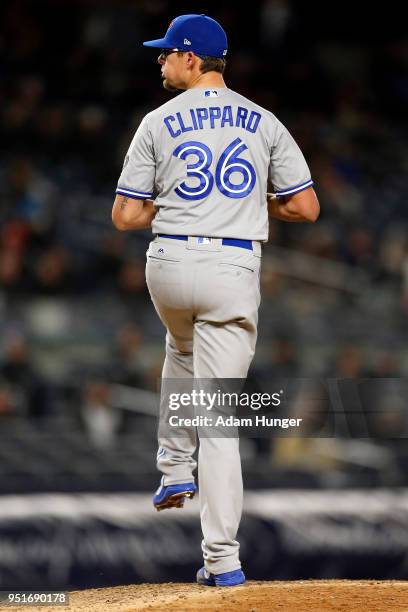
[75, 315]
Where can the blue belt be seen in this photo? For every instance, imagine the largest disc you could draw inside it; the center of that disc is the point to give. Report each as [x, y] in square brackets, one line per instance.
[237, 242]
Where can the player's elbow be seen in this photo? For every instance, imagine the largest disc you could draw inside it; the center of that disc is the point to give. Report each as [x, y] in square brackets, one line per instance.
[306, 205]
[127, 213]
[118, 221]
[312, 211]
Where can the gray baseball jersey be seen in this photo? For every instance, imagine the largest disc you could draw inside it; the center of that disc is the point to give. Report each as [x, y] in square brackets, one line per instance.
[205, 157]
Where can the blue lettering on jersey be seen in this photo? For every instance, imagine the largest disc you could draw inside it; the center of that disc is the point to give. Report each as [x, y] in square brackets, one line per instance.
[193, 117]
[212, 117]
[241, 116]
[182, 126]
[215, 113]
[199, 168]
[167, 120]
[202, 114]
[227, 116]
[253, 122]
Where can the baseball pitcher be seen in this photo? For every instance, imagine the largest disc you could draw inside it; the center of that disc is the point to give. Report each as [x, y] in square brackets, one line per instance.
[197, 172]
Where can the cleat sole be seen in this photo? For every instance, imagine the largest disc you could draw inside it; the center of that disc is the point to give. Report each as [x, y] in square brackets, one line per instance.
[175, 501]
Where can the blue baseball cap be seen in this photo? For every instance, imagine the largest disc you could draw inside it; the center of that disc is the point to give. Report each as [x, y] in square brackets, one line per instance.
[197, 33]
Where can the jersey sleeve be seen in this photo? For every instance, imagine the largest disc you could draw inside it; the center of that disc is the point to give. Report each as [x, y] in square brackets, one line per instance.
[288, 170]
[138, 173]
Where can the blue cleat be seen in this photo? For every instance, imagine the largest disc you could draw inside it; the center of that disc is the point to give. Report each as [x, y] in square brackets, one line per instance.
[220, 580]
[173, 496]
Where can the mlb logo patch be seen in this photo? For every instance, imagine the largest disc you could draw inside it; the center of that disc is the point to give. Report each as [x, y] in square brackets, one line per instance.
[203, 240]
[211, 93]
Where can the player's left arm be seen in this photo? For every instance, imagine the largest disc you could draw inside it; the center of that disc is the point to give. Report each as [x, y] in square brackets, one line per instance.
[302, 206]
[132, 214]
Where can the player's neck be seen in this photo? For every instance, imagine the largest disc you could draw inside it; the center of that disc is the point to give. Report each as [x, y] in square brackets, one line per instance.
[208, 79]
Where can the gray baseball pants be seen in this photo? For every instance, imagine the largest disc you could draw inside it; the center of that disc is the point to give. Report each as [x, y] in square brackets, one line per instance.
[207, 296]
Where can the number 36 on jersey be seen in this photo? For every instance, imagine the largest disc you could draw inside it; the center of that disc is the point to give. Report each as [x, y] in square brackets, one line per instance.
[228, 163]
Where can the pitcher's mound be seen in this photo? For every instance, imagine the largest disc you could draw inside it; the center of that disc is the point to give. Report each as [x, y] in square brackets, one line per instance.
[296, 596]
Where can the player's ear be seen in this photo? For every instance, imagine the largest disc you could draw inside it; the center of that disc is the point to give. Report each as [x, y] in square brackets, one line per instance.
[191, 58]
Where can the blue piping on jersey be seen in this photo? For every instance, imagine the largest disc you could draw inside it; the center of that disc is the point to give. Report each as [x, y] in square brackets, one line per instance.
[295, 189]
[132, 193]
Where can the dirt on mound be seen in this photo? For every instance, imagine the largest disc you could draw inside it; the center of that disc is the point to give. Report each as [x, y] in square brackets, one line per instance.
[298, 596]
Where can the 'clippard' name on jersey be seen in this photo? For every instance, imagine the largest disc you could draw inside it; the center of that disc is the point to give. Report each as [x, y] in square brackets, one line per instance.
[212, 117]
[205, 157]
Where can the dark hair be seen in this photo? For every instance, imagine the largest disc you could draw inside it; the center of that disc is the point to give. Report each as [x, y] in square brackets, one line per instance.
[212, 64]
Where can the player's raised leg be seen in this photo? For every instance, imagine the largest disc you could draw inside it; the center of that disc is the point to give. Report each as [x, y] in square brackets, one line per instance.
[175, 453]
[174, 457]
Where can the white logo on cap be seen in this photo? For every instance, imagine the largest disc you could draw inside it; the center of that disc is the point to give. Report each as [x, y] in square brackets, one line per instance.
[187, 42]
[224, 52]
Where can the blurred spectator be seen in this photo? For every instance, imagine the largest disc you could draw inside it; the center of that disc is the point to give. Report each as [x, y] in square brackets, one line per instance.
[275, 16]
[99, 418]
[30, 196]
[349, 363]
[127, 366]
[25, 392]
[132, 284]
[11, 269]
[284, 361]
[52, 273]
[386, 365]
[8, 403]
[314, 455]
